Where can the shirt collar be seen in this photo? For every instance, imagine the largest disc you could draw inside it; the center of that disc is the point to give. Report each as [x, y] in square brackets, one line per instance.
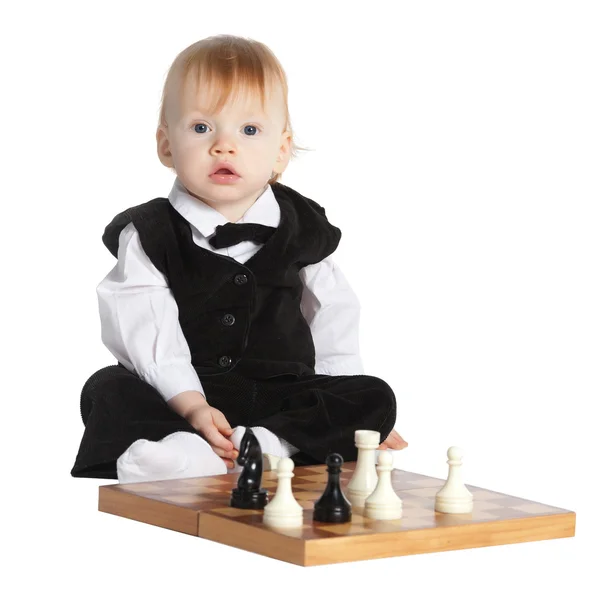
[205, 218]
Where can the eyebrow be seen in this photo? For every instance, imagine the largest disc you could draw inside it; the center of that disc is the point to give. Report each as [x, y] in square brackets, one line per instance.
[253, 115]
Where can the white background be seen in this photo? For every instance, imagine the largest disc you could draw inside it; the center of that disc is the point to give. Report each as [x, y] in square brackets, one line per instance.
[455, 145]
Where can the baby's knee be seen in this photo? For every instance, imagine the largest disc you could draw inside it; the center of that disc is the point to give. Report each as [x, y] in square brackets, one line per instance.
[384, 398]
[100, 379]
[385, 394]
[100, 387]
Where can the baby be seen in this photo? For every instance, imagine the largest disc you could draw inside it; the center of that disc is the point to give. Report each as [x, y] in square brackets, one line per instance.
[225, 309]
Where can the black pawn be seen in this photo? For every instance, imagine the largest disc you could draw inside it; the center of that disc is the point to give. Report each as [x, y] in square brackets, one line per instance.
[332, 506]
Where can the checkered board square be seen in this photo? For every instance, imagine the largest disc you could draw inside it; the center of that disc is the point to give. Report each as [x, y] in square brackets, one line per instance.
[200, 507]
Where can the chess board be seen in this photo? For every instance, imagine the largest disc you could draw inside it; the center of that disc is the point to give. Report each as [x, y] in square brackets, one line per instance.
[200, 507]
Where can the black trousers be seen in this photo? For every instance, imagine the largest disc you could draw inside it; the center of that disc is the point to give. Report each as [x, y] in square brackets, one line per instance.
[316, 413]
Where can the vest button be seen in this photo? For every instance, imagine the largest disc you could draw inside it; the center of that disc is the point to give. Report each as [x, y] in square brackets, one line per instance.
[228, 319]
[224, 361]
[240, 279]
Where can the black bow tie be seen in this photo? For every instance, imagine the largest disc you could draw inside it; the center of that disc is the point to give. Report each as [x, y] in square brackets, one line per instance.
[231, 234]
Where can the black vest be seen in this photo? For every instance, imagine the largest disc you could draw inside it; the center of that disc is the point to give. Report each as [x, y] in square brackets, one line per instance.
[238, 316]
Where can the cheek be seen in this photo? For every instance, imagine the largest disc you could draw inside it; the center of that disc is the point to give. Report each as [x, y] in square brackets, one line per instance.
[185, 148]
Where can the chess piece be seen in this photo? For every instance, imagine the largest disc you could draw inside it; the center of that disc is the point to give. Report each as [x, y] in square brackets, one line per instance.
[248, 493]
[364, 478]
[332, 506]
[454, 497]
[384, 503]
[270, 462]
[283, 510]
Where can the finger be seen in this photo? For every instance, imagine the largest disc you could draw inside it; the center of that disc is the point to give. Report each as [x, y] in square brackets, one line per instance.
[229, 463]
[214, 438]
[222, 424]
[225, 453]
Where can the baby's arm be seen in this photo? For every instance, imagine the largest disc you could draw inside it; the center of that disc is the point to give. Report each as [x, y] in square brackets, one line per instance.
[140, 324]
[140, 327]
[332, 310]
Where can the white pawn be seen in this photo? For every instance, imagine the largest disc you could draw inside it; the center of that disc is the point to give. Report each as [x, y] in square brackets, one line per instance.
[364, 478]
[384, 503]
[454, 497]
[283, 510]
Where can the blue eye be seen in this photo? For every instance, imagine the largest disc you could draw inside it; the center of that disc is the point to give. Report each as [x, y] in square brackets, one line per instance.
[251, 127]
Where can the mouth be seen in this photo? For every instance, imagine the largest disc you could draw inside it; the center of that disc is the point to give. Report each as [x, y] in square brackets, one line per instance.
[224, 175]
[224, 168]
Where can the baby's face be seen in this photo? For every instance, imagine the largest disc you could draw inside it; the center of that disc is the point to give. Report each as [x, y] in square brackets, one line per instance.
[242, 134]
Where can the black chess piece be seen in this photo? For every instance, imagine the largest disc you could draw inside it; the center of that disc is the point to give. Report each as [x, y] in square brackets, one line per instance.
[333, 506]
[248, 493]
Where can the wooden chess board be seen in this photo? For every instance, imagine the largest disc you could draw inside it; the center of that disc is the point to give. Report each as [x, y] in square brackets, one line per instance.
[200, 506]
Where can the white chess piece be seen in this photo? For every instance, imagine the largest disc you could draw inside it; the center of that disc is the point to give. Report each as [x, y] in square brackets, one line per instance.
[270, 462]
[364, 478]
[454, 497]
[283, 510]
[384, 503]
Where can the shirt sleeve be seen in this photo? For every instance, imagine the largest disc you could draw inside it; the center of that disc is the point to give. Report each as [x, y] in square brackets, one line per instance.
[139, 320]
[332, 310]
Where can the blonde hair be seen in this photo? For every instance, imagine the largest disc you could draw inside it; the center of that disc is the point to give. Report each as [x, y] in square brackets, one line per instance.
[227, 63]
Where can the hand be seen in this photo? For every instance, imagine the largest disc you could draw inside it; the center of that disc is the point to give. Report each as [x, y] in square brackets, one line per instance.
[214, 428]
[394, 441]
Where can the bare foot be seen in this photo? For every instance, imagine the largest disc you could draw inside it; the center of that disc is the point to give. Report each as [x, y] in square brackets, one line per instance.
[394, 441]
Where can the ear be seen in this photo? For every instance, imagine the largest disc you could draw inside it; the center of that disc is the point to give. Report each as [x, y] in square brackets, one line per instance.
[163, 147]
[284, 153]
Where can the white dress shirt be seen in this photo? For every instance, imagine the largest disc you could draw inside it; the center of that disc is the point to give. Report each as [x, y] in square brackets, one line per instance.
[140, 318]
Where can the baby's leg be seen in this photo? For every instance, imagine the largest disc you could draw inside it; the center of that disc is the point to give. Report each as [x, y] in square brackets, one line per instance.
[119, 409]
[177, 456]
[320, 413]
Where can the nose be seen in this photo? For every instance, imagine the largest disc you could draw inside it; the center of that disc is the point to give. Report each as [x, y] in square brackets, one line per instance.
[223, 146]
